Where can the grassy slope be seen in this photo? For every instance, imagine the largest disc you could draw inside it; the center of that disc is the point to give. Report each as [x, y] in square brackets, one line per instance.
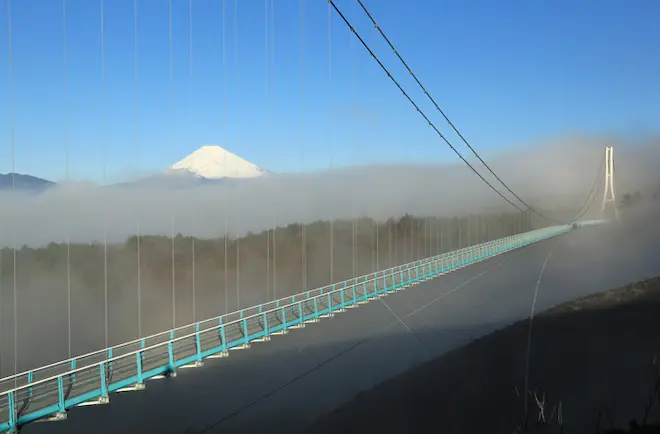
[593, 355]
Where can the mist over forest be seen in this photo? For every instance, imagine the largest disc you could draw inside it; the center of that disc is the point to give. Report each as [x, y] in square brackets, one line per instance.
[242, 243]
[558, 175]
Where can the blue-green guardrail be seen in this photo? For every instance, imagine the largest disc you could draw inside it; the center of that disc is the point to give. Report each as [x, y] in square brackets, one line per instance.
[49, 391]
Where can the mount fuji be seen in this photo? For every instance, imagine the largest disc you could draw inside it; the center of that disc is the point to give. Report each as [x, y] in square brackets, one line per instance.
[214, 162]
[207, 165]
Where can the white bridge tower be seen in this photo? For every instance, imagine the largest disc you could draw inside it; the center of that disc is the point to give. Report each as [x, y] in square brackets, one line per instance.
[608, 195]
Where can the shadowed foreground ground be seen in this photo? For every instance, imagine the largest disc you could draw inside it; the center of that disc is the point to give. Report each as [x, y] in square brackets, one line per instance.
[594, 356]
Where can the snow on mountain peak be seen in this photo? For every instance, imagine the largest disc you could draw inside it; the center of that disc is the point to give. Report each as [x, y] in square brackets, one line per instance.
[214, 162]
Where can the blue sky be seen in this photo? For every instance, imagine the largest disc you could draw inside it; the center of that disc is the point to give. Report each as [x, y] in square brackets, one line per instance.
[508, 73]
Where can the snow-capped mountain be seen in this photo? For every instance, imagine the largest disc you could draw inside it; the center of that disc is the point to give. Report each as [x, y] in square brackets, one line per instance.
[214, 162]
[206, 165]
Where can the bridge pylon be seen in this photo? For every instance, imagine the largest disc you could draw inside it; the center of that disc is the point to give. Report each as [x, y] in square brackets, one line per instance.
[608, 194]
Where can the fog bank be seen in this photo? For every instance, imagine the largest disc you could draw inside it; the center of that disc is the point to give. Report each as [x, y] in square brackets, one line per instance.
[557, 175]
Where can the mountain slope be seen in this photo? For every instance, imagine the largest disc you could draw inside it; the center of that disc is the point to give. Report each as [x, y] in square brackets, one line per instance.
[23, 182]
[214, 162]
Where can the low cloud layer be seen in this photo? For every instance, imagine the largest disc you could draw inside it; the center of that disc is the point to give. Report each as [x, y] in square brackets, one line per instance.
[556, 174]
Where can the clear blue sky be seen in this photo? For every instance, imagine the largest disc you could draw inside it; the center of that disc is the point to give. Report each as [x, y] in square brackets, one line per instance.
[508, 72]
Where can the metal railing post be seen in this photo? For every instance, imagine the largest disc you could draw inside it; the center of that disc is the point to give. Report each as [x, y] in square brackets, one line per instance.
[198, 344]
[246, 337]
[138, 357]
[316, 307]
[30, 377]
[284, 324]
[104, 384]
[110, 365]
[266, 328]
[73, 376]
[170, 353]
[223, 336]
[13, 417]
[60, 395]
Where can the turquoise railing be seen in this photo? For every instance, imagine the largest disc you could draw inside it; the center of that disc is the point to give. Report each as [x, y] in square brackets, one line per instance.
[49, 391]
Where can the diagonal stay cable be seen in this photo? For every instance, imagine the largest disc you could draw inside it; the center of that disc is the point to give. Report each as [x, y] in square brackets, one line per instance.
[431, 124]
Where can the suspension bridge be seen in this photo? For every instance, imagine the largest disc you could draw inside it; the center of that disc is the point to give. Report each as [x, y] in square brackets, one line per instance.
[414, 302]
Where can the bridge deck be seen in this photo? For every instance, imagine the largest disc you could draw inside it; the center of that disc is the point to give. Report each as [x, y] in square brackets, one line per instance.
[48, 392]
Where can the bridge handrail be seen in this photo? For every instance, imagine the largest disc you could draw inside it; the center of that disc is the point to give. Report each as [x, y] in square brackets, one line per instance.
[217, 326]
[308, 295]
[177, 339]
[218, 318]
[57, 401]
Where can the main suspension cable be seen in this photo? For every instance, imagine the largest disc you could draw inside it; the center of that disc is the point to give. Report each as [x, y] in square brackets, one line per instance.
[414, 104]
[594, 187]
[589, 200]
[451, 124]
